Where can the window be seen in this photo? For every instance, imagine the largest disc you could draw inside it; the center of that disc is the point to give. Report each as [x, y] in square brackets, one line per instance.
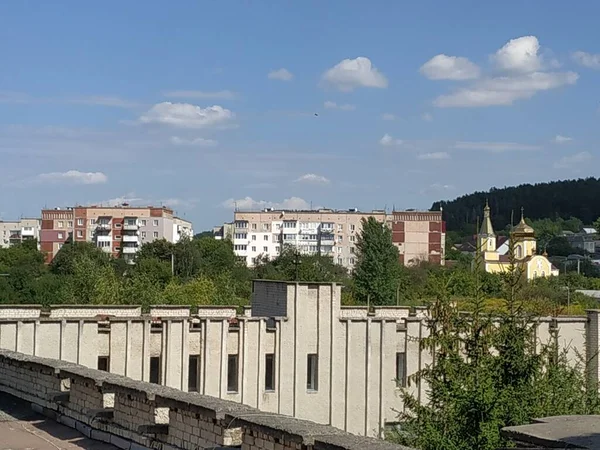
[253, 237]
[143, 223]
[277, 249]
[232, 373]
[352, 227]
[92, 221]
[266, 237]
[117, 237]
[340, 261]
[193, 374]
[60, 246]
[265, 249]
[155, 223]
[340, 238]
[289, 224]
[143, 235]
[155, 234]
[339, 249]
[240, 247]
[253, 248]
[79, 233]
[155, 370]
[241, 224]
[61, 236]
[340, 227]
[117, 248]
[240, 236]
[265, 227]
[80, 222]
[351, 260]
[278, 226]
[352, 250]
[351, 238]
[312, 372]
[401, 369]
[253, 261]
[70, 224]
[104, 363]
[270, 372]
[61, 224]
[254, 226]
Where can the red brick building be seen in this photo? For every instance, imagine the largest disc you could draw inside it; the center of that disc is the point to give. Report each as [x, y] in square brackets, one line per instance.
[419, 236]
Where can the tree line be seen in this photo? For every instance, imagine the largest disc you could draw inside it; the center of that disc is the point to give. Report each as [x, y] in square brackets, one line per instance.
[552, 200]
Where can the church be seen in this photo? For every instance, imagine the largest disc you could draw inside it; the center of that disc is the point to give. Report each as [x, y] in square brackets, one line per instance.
[533, 265]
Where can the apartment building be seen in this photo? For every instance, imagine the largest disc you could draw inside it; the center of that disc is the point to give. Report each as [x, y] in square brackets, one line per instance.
[118, 230]
[419, 236]
[16, 231]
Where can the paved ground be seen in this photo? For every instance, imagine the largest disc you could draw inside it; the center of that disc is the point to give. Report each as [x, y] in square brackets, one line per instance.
[22, 429]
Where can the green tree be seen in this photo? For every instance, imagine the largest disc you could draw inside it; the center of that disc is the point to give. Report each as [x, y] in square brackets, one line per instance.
[377, 266]
[68, 257]
[199, 291]
[92, 282]
[597, 225]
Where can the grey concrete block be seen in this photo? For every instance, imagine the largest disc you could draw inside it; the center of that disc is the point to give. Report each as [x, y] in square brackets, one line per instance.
[98, 435]
[37, 408]
[136, 446]
[68, 421]
[84, 429]
[120, 442]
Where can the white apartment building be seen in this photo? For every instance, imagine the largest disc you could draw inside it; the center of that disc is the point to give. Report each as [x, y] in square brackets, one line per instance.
[325, 231]
[16, 231]
[296, 351]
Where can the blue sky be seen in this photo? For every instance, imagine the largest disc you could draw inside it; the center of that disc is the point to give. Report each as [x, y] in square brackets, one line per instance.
[207, 105]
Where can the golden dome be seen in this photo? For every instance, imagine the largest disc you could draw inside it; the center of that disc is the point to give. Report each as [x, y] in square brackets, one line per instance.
[522, 227]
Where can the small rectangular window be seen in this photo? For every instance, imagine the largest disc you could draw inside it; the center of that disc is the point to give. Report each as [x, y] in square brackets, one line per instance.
[79, 233]
[80, 222]
[312, 372]
[155, 370]
[155, 223]
[193, 374]
[270, 372]
[155, 234]
[143, 235]
[61, 236]
[401, 369]
[232, 373]
[143, 223]
[117, 225]
[104, 363]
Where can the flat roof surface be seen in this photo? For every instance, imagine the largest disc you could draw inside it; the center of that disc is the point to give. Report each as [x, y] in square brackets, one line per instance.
[23, 429]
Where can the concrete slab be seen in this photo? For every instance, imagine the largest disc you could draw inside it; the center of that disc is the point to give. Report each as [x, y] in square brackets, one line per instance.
[21, 428]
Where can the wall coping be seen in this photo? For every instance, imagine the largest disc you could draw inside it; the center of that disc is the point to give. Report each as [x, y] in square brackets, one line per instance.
[16, 306]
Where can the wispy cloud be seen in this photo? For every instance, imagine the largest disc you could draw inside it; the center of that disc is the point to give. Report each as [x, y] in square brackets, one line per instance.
[589, 60]
[197, 142]
[558, 139]
[494, 146]
[434, 156]
[72, 177]
[186, 115]
[88, 100]
[311, 178]
[388, 141]
[437, 188]
[389, 116]
[224, 95]
[249, 204]
[573, 161]
[333, 105]
[281, 75]
[427, 117]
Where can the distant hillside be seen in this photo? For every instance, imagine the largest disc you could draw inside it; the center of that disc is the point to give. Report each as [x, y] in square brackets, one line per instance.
[570, 198]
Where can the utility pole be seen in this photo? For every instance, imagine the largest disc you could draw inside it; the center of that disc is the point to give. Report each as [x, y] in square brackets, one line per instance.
[172, 264]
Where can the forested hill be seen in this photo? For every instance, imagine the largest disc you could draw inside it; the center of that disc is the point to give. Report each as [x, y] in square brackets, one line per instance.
[570, 198]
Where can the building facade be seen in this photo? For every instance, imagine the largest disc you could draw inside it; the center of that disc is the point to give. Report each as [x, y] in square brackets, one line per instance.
[296, 351]
[16, 231]
[118, 230]
[419, 236]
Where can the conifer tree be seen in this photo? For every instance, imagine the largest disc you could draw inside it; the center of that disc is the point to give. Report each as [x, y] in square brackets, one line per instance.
[377, 267]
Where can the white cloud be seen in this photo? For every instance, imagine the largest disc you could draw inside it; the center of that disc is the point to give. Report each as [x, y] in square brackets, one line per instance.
[444, 67]
[573, 161]
[427, 117]
[333, 105]
[503, 91]
[185, 115]
[562, 139]
[350, 74]
[249, 204]
[388, 116]
[589, 60]
[494, 146]
[311, 178]
[99, 100]
[73, 177]
[225, 95]
[89, 100]
[437, 188]
[519, 55]
[434, 156]
[280, 74]
[200, 142]
[388, 141]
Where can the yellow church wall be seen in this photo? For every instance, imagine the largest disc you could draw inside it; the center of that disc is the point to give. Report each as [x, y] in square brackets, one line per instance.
[538, 266]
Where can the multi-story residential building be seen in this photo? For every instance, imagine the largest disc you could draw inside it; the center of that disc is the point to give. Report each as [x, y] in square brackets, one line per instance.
[419, 236]
[16, 231]
[118, 230]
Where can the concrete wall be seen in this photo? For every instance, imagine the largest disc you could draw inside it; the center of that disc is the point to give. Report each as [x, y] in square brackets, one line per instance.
[137, 415]
[356, 349]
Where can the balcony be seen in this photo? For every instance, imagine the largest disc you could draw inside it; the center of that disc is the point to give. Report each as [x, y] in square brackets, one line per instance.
[129, 250]
[106, 238]
[131, 227]
[103, 227]
[28, 231]
[130, 238]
